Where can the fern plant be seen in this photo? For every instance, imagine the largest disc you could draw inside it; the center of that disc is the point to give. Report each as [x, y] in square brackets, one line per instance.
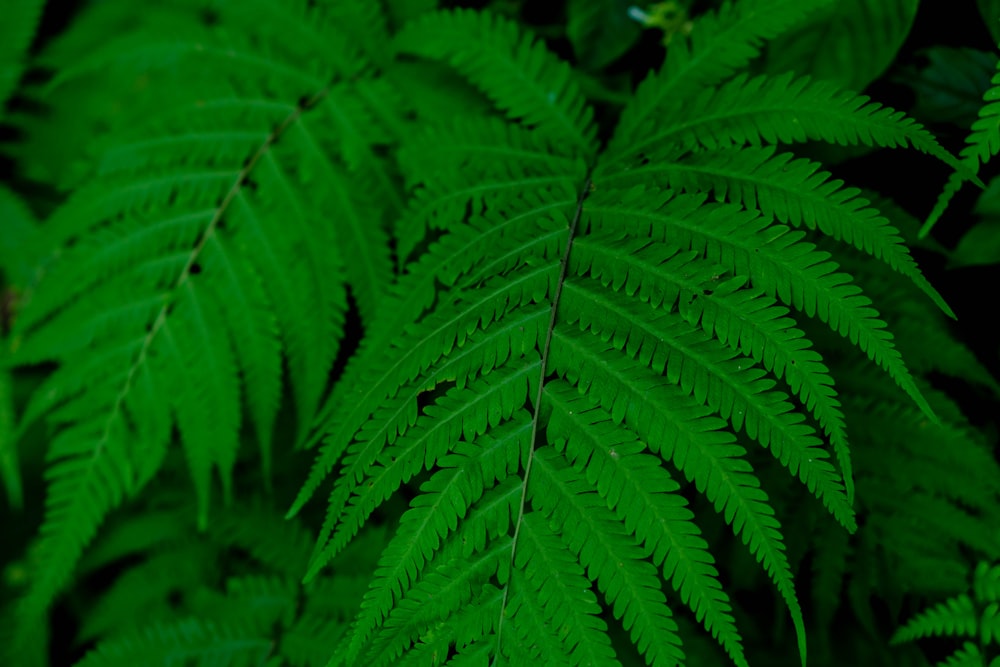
[576, 341]
[964, 616]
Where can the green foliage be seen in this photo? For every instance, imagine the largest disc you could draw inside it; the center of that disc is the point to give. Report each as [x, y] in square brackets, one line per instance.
[950, 87]
[982, 144]
[976, 617]
[601, 32]
[851, 42]
[990, 11]
[579, 369]
[980, 245]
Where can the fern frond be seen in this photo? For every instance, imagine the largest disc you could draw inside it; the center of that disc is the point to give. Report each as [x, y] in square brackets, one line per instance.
[967, 656]
[446, 498]
[485, 165]
[720, 44]
[420, 349]
[20, 22]
[644, 497]
[517, 73]
[181, 642]
[793, 192]
[451, 584]
[554, 576]
[206, 263]
[745, 320]
[773, 257]
[954, 617]
[717, 376]
[86, 483]
[780, 109]
[982, 144]
[468, 413]
[610, 555]
[559, 344]
[679, 429]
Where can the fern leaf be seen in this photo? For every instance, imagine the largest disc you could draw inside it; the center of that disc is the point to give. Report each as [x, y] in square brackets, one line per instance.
[967, 656]
[208, 416]
[94, 468]
[983, 143]
[481, 165]
[610, 557]
[182, 641]
[446, 499]
[720, 44]
[775, 260]
[450, 260]
[986, 582]
[205, 260]
[717, 376]
[509, 67]
[551, 574]
[255, 341]
[420, 349]
[627, 480]
[792, 192]
[676, 280]
[85, 484]
[467, 413]
[779, 109]
[681, 431]
[954, 617]
[415, 614]
[20, 22]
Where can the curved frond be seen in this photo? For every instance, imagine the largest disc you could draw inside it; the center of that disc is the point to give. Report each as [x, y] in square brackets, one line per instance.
[794, 192]
[982, 144]
[776, 110]
[954, 617]
[182, 244]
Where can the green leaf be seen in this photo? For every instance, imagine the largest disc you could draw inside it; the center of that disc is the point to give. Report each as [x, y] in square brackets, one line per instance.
[10, 471]
[950, 87]
[990, 11]
[600, 31]
[850, 42]
[17, 29]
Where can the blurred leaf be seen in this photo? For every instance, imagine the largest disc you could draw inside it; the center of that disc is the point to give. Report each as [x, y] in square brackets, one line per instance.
[17, 28]
[9, 469]
[19, 235]
[401, 11]
[950, 88]
[851, 42]
[600, 31]
[981, 244]
[990, 9]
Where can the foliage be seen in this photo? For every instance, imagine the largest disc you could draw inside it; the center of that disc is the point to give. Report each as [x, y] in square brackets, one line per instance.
[976, 617]
[587, 372]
